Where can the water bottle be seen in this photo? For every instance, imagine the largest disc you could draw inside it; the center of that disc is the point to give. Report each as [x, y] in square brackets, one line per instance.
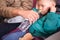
[26, 24]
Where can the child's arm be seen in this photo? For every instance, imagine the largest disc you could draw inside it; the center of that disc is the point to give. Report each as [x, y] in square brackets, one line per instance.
[27, 36]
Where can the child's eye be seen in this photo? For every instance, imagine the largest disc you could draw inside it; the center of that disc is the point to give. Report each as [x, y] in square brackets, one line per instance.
[41, 5]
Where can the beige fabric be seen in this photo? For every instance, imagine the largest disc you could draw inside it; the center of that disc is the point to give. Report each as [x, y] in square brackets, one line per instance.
[55, 36]
[6, 6]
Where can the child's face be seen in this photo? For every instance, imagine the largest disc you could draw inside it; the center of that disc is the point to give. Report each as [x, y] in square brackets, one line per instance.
[44, 6]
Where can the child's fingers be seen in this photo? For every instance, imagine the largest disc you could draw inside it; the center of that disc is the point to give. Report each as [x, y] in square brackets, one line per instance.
[53, 9]
[27, 36]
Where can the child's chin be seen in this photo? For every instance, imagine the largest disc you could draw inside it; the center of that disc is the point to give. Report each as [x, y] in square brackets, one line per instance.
[43, 13]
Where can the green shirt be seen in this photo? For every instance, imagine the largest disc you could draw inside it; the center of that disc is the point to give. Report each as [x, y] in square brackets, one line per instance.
[46, 25]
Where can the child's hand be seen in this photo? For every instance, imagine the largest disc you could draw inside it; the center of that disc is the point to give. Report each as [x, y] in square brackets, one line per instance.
[53, 9]
[27, 36]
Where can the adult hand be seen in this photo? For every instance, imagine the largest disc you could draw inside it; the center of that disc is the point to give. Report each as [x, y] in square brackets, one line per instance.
[30, 15]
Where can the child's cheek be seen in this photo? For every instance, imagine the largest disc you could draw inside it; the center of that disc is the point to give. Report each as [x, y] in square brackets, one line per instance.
[44, 10]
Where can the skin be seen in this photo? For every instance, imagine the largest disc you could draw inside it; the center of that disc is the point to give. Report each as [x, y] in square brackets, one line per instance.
[44, 6]
[27, 36]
